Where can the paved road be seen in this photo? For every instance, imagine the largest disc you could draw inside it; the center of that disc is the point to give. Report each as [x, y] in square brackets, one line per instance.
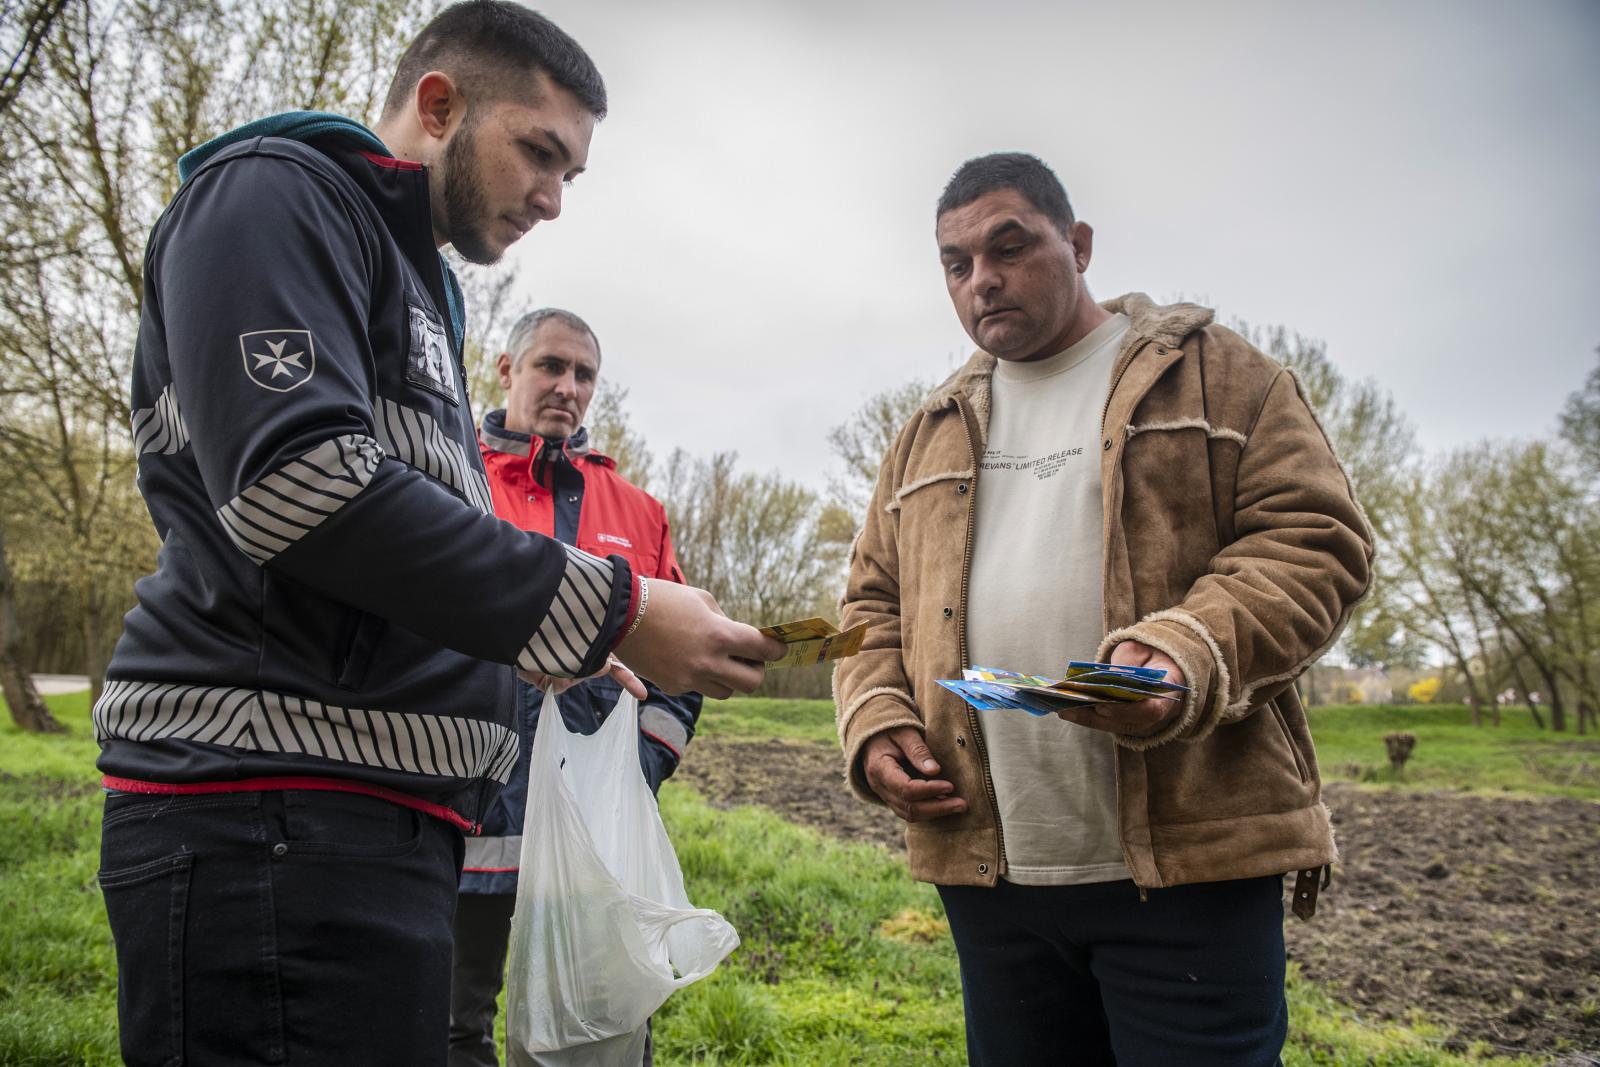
[53, 684]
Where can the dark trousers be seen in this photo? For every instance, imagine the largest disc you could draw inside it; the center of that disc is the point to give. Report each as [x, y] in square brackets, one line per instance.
[1091, 974]
[482, 931]
[279, 927]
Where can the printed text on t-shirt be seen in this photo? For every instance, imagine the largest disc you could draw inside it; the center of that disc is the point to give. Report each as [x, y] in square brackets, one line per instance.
[1042, 466]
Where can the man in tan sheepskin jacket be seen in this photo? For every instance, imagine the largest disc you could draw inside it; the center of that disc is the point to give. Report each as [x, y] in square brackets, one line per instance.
[1131, 483]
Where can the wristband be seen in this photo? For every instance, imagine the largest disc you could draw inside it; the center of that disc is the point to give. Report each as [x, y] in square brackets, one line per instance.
[644, 598]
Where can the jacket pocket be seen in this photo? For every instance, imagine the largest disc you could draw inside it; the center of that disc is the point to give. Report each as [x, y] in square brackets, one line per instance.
[1288, 739]
[359, 649]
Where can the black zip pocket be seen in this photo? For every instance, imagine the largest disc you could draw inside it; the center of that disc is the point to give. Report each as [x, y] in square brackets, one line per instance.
[359, 651]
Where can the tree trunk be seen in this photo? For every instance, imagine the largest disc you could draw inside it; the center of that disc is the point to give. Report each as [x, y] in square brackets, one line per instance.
[1558, 707]
[28, 709]
[1522, 691]
[94, 655]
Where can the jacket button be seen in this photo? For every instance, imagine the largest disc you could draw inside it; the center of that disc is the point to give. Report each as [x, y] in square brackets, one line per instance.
[962, 488]
[949, 612]
[961, 742]
[983, 868]
[280, 849]
[1107, 446]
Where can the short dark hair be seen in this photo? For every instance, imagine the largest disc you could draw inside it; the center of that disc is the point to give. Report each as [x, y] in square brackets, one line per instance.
[1026, 174]
[486, 46]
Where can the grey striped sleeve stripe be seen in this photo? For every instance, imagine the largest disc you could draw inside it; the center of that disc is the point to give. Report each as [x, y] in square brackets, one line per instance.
[261, 721]
[275, 512]
[160, 428]
[665, 726]
[497, 853]
[576, 617]
[415, 438]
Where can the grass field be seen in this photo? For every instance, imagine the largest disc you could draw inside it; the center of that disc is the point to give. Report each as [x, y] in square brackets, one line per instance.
[844, 958]
[1451, 753]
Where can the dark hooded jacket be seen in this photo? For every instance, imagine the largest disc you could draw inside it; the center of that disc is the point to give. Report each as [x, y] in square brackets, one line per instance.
[333, 596]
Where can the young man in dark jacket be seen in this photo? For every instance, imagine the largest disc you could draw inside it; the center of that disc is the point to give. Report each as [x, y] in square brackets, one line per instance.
[543, 476]
[310, 702]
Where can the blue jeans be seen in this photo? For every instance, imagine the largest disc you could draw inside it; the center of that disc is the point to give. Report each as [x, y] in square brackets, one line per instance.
[1090, 974]
[295, 927]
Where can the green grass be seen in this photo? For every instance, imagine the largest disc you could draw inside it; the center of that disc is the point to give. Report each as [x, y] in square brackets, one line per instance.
[844, 958]
[746, 719]
[814, 981]
[817, 981]
[58, 984]
[1451, 753]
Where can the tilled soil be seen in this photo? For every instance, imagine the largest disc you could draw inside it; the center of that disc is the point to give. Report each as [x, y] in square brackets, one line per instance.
[1481, 914]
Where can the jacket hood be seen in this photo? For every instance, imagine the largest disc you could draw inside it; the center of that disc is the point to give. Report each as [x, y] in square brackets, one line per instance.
[305, 126]
[294, 125]
[1166, 324]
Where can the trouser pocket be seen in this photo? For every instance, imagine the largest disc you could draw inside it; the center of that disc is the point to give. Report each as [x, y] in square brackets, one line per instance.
[147, 905]
[188, 895]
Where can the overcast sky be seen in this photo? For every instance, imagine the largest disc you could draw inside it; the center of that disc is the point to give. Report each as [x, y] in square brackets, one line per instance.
[1414, 183]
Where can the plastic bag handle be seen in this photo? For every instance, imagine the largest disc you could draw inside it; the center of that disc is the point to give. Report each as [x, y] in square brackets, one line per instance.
[683, 915]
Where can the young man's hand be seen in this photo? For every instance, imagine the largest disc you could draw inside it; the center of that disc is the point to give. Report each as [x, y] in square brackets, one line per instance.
[685, 644]
[614, 668]
[900, 769]
[1137, 719]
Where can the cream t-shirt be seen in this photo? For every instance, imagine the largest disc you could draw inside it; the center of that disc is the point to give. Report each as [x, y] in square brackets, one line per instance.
[1034, 603]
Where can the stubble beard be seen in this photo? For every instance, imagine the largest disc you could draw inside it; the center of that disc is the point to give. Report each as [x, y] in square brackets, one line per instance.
[465, 205]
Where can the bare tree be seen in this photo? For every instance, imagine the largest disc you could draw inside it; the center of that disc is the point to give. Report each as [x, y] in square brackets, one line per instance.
[765, 547]
[862, 440]
[114, 93]
[611, 434]
[1580, 423]
[24, 28]
[28, 709]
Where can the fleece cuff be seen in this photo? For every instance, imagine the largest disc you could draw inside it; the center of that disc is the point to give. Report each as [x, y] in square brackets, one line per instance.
[1182, 637]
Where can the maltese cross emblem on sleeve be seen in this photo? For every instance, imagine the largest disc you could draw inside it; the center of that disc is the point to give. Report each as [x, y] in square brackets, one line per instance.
[279, 360]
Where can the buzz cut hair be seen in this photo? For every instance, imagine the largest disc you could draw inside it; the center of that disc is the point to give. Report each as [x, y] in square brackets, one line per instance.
[521, 337]
[1025, 173]
[492, 49]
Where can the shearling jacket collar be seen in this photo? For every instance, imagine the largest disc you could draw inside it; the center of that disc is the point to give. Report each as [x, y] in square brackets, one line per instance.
[1164, 324]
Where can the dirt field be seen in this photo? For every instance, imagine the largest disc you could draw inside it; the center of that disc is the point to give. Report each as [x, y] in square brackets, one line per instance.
[1478, 913]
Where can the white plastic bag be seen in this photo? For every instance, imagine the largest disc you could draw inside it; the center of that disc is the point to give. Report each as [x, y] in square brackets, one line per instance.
[603, 931]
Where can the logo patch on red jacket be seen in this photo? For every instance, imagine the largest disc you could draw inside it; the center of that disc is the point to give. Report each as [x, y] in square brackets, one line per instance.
[613, 539]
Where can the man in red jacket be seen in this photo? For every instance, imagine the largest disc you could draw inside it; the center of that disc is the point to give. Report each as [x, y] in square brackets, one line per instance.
[543, 476]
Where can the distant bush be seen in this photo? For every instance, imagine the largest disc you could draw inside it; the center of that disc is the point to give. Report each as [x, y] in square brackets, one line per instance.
[1425, 691]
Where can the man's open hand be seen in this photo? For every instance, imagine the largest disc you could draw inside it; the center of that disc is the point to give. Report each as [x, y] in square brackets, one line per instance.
[685, 643]
[899, 768]
[1136, 719]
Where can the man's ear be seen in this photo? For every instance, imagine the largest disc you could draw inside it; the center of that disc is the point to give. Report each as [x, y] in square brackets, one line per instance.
[1082, 237]
[502, 366]
[439, 103]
